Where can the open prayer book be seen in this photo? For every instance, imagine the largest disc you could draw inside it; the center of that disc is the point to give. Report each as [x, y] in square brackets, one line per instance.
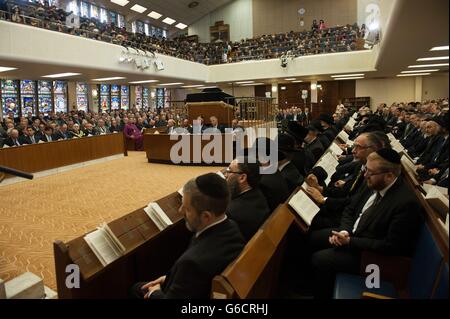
[437, 200]
[343, 136]
[335, 149]
[157, 215]
[328, 162]
[304, 206]
[105, 245]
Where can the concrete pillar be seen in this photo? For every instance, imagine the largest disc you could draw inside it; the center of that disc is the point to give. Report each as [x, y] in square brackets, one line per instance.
[418, 89]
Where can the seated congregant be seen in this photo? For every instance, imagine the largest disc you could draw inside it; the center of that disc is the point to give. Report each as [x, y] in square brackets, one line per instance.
[248, 206]
[384, 218]
[217, 241]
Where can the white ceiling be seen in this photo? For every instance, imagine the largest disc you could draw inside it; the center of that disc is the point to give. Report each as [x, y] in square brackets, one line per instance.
[175, 9]
[415, 27]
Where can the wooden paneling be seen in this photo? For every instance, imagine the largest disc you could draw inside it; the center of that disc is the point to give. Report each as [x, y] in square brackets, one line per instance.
[330, 94]
[44, 156]
[292, 95]
[260, 90]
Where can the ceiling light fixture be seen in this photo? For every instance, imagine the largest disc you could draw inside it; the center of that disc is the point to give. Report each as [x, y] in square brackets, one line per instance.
[168, 21]
[434, 58]
[441, 48]
[109, 79]
[145, 81]
[290, 79]
[298, 81]
[60, 75]
[122, 3]
[6, 69]
[154, 15]
[169, 84]
[427, 65]
[347, 75]
[138, 8]
[244, 82]
[181, 26]
[416, 71]
[350, 78]
[414, 74]
[192, 86]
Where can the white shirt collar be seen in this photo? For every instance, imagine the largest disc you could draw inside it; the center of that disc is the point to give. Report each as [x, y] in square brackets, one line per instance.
[211, 225]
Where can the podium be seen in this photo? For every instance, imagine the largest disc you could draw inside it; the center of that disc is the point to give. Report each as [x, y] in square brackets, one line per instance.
[223, 111]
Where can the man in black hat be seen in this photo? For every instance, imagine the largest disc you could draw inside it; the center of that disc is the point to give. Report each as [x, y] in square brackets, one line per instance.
[216, 242]
[384, 218]
[327, 123]
[248, 206]
[439, 158]
[286, 152]
[302, 158]
[312, 142]
[273, 185]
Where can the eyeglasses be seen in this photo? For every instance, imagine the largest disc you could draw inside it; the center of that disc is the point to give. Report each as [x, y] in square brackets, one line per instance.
[369, 174]
[229, 171]
[356, 145]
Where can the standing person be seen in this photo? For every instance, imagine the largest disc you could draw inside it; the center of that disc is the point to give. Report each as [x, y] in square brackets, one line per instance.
[132, 132]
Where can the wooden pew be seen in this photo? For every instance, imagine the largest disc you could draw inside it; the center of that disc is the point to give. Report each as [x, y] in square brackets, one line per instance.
[45, 156]
[254, 274]
[149, 254]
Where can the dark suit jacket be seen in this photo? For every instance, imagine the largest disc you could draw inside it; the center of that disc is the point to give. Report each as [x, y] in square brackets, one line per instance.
[9, 141]
[316, 148]
[274, 188]
[44, 138]
[292, 177]
[391, 228]
[27, 140]
[419, 145]
[431, 149]
[249, 210]
[303, 160]
[207, 256]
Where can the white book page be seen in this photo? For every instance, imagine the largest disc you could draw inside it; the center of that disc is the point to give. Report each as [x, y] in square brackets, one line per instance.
[391, 137]
[343, 136]
[335, 149]
[355, 115]
[304, 207]
[100, 245]
[349, 142]
[153, 216]
[161, 214]
[114, 240]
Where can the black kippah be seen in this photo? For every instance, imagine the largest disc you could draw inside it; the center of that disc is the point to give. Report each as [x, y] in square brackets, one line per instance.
[212, 185]
[389, 155]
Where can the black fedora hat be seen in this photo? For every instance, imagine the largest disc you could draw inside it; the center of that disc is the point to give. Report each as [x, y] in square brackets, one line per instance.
[297, 131]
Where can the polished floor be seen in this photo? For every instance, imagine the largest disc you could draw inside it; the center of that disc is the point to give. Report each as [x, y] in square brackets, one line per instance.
[64, 206]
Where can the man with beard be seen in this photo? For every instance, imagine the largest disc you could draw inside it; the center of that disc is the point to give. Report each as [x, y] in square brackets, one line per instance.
[383, 218]
[216, 242]
[248, 206]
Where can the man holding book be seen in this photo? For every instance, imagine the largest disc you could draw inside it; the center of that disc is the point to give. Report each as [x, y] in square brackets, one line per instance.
[217, 241]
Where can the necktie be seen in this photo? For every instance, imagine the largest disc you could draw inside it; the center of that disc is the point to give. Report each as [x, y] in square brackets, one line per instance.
[356, 180]
[32, 140]
[364, 215]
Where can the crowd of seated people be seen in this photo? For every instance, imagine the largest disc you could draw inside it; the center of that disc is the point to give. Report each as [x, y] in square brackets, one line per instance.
[319, 39]
[365, 207]
[31, 129]
[15, 131]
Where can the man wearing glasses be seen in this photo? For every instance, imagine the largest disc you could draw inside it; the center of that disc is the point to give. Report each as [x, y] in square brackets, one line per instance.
[346, 182]
[383, 218]
[248, 206]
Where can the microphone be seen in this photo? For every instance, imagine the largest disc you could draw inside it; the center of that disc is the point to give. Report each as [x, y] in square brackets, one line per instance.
[14, 172]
